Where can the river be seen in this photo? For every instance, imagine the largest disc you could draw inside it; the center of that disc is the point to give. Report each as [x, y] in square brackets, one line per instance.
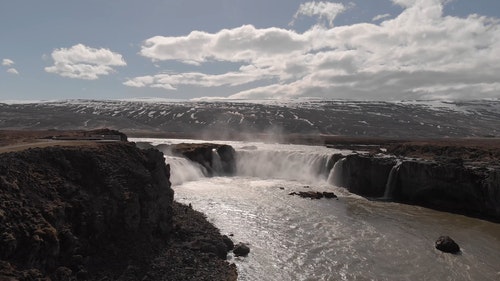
[349, 238]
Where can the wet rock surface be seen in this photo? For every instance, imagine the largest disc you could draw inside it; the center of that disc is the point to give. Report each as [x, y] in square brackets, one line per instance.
[241, 250]
[314, 194]
[447, 245]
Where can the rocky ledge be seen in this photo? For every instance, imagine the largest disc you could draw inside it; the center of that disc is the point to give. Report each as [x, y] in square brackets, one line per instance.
[100, 211]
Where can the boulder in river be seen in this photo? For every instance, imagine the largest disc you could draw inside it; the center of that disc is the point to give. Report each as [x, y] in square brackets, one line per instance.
[314, 194]
[447, 245]
[241, 249]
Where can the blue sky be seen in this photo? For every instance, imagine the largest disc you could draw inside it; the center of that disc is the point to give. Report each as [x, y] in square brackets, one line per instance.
[198, 49]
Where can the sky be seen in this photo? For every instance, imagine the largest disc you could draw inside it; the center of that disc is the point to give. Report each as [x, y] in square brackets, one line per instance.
[259, 49]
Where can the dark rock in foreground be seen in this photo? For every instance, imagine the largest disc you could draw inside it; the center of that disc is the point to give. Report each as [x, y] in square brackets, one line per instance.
[83, 207]
[99, 210]
[447, 245]
[192, 251]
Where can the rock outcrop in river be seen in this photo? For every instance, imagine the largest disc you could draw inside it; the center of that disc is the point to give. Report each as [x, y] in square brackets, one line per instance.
[99, 210]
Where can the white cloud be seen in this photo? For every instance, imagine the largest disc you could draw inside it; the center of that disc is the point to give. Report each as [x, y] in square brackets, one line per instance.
[7, 62]
[236, 45]
[323, 10]
[84, 62]
[380, 17]
[419, 53]
[169, 81]
[12, 71]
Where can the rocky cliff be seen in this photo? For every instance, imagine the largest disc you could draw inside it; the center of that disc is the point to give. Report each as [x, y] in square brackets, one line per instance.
[81, 207]
[217, 159]
[363, 175]
[441, 183]
[99, 210]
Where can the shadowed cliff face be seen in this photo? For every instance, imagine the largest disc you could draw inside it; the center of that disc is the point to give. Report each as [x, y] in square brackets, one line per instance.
[365, 175]
[447, 186]
[443, 183]
[81, 208]
[206, 153]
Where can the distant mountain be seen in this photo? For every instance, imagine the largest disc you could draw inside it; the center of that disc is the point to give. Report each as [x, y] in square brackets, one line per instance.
[407, 119]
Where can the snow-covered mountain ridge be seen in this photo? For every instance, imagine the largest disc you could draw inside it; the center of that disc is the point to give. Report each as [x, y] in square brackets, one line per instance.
[405, 119]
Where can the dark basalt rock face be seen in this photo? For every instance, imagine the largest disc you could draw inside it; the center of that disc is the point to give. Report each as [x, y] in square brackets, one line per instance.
[444, 186]
[442, 183]
[447, 245]
[364, 174]
[67, 211]
[203, 154]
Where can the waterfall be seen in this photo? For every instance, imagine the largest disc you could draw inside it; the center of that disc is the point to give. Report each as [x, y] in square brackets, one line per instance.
[290, 165]
[296, 165]
[391, 184]
[216, 164]
[335, 176]
[183, 170]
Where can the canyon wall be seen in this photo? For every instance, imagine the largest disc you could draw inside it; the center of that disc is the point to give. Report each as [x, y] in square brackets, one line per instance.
[443, 184]
[68, 211]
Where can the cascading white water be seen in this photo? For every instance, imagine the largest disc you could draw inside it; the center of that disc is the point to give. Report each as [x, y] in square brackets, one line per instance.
[265, 164]
[392, 180]
[336, 172]
[216, 162]
[183, 170]
[289, 165]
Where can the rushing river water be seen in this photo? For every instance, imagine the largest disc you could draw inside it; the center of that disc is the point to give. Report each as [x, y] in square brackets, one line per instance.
[352, 238]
